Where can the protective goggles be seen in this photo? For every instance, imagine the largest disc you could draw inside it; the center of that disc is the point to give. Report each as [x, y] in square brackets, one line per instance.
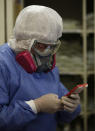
[45, 49]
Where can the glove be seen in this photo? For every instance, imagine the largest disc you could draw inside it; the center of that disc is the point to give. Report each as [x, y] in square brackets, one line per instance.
[70, 103]
[48, 103]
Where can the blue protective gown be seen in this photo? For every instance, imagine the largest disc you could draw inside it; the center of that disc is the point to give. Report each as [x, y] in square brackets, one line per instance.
[18, 86]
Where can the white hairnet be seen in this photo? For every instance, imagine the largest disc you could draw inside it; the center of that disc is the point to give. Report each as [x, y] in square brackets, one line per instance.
[39, 23]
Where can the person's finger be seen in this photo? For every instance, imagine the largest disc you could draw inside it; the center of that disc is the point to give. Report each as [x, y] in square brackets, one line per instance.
[75, 96]
[69, 100]
[69, 109]
[69, 104]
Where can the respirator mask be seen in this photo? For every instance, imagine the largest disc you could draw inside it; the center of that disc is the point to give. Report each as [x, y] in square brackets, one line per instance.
[44, 55]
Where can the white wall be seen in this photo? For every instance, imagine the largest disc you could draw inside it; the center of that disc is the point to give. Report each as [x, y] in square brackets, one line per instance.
[2, 22]
[8, 11]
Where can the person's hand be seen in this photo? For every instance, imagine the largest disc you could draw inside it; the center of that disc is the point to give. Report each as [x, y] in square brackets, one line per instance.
[48, 103]
[70, 103]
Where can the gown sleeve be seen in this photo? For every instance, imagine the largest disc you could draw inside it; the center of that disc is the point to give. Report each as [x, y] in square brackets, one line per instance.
[16, 115]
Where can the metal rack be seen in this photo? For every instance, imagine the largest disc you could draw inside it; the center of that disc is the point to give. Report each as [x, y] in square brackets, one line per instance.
[84, 32]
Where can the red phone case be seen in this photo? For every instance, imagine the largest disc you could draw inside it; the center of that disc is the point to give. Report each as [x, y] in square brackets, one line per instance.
[77, 89]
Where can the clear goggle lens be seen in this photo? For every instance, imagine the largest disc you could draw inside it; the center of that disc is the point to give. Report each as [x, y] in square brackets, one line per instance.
[46, 49]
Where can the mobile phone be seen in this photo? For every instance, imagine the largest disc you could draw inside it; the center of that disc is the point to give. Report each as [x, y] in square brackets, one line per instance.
[79, 88]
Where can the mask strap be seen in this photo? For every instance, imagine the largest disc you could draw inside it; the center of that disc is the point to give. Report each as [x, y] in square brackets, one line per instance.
[31, 44]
